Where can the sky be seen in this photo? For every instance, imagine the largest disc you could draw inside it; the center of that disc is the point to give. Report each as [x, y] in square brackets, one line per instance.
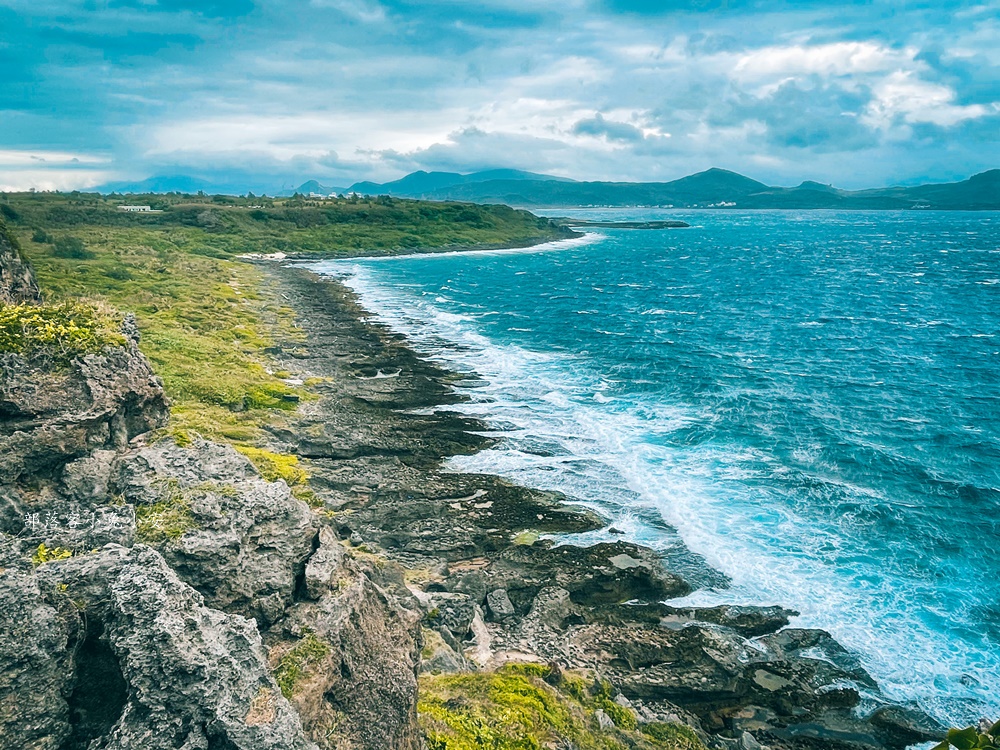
[264, 94]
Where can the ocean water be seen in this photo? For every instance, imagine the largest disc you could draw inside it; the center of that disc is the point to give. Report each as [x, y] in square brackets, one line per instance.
[809, 400]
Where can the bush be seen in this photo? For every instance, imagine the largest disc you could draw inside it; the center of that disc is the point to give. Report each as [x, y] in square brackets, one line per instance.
[972, 738]
[41, 236]
[71, 247]
[59, 332]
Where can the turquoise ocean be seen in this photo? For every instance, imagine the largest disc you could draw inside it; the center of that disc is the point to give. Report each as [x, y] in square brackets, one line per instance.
[810, 401]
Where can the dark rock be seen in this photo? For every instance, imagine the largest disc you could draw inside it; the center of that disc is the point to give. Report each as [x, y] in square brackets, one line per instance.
[498, 604]
[747, 621]
[902, 727]
[602, 574]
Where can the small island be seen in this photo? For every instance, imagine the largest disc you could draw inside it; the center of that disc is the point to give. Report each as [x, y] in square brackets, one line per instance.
[570, 222]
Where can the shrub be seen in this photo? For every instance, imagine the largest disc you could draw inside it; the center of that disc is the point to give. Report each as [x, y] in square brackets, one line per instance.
[49, 554]
[71, 247]
[59, 332]
[41, 236]
[972, 738]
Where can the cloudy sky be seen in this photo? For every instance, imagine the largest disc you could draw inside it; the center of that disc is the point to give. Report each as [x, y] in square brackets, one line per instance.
[257, 94]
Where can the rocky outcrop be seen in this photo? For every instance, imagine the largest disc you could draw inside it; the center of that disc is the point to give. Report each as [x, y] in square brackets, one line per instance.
[17, 282]
[156, 668]
[364, 684]
[51, 416]
[239, 540]
[38, 627]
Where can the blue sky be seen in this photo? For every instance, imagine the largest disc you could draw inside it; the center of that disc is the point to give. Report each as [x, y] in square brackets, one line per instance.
[257, 95]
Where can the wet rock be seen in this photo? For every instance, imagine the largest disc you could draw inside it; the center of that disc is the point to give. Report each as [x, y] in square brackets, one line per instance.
[602, 574]
[747, 621]
[242, 543]
[904, 726]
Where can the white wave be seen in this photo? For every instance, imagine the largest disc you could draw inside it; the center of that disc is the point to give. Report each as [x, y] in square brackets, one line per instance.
[615, 455]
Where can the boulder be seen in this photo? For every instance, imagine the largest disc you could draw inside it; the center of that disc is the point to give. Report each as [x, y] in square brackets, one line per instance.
[364, 637]
[38, 626]
[49, 417]
[238, 539]
[158, 670]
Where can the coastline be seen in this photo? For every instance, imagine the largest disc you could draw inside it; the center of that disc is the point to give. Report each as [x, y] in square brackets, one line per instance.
[374, 441]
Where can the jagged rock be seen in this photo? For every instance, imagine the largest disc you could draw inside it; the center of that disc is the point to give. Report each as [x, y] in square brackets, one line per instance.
[601, 574]
[905, 726]
[323, 564]
[37, 628]
[17, 282]
[450, 610]
[364, 682]
[157, 669]
[498, 604]
[747, 621]
[246, 540]
[437, 655]
[48, 418]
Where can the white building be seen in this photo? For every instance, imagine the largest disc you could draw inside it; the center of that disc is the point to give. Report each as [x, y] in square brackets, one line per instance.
[136, 209]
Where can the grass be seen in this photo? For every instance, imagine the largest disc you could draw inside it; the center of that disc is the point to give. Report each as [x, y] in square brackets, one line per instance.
[514, 708]
[45, 554]
[61, 332]
[293, 665]
[206, 326]
[166, 520]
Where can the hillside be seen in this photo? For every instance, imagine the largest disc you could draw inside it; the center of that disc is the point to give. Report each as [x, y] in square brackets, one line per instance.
[709, 189]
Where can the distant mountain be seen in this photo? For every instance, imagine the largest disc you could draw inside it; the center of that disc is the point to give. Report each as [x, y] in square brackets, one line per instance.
[313, 187]
[162, 184]
[711, 188]
[423, 184]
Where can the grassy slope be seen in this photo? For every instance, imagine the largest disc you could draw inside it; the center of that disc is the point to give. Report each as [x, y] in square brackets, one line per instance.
[204, 323]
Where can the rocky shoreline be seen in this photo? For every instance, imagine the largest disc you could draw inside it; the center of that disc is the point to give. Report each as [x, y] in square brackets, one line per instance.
[157, 592]
[498, 594]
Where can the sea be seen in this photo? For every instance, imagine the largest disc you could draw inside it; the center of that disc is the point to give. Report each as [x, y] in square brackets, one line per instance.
[807, 400]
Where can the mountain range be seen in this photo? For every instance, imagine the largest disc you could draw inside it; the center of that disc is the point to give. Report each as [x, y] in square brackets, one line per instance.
[713, 188]
[709, 189]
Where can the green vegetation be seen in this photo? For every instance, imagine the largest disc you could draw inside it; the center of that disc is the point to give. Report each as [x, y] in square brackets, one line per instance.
[46, 554]
[971, 738]
[275, 466]
[59, 332]
[169, 518]
[294, 663]
[206, 325]
[515, 708]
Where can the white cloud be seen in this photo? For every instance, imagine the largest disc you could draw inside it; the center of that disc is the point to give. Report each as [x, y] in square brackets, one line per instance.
[835, 59]
[23, 158]
[53, 179]
[903, 96]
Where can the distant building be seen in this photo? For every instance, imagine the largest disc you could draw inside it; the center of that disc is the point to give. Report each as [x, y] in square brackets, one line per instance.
[136, 209]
